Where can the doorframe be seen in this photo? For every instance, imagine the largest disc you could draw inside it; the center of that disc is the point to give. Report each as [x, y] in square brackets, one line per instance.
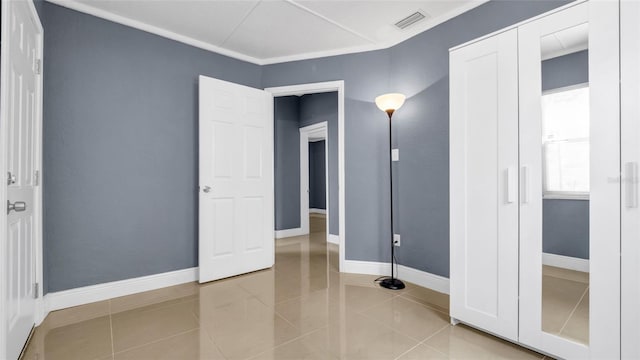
[316, 130]
[39, 311]
[322, 87]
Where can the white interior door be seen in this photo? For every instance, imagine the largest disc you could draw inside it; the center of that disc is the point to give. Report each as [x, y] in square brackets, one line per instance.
[21, 123]
[484, 181]
[236, 219]
[630, 58]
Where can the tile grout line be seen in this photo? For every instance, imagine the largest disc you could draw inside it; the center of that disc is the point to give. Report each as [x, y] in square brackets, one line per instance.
[113, 353]
[427, 306]
[155, 341]
[574, 310]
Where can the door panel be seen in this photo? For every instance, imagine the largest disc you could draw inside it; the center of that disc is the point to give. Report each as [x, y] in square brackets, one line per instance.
[236, 179]
[484, 210]
[21, 115]
[597, 306]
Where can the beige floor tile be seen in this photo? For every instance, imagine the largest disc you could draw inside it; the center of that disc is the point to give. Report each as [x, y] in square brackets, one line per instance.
[160, 297]
[461, 342]
[429, 298]
[309, 312]
[559, 298]
[144, 325]
[409, 318]
[88, 339]
[295, 350]
[577, 326]
[354, 336]
[78, 314]
[317, 223]
[246, 328]
[423, 352]
[360, 298]
[566, 274]
[194, 344]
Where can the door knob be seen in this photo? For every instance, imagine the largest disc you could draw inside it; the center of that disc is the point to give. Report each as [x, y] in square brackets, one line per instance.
[17, 206]
[207, 189]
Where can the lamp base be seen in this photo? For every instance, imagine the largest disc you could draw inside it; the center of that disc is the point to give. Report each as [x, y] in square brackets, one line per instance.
[392, 284]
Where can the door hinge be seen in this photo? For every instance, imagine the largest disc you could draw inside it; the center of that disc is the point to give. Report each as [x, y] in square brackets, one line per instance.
[36, 177]
[38, 66]
[36, 290]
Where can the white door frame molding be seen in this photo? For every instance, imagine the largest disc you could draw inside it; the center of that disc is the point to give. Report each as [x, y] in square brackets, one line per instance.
[307, 134]
[322, 87]
[4, 98]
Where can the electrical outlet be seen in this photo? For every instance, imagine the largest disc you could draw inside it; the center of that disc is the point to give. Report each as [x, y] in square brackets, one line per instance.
[396, 239]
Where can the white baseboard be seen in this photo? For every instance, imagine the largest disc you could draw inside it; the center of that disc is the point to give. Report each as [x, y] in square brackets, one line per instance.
[317, 211]
[366, 267]
[422, 278]
[565, 262]
[89, 294]
[333, 239]
[418, 277]
[289, 233]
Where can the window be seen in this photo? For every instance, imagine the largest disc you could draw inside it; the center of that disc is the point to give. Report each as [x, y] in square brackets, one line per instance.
[565, 142]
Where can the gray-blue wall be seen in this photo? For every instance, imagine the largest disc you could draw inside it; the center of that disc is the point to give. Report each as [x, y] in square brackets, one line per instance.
[565, 229]
[419, 68]
[317, 175]
[565, 222]
[121, 148]
[287, 162]
[566, 70]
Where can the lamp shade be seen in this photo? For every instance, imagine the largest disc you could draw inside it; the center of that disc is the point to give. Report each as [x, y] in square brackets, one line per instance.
[391, 102]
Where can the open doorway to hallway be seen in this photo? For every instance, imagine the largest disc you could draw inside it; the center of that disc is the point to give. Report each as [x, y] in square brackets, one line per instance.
[308, 195]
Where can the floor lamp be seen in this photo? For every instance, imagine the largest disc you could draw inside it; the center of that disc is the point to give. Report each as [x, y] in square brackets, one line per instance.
[389, 103]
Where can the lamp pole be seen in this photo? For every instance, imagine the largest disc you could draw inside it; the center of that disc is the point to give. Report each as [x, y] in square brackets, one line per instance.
[391, 283]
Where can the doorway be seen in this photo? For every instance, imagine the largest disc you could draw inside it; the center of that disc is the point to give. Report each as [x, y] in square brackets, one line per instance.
[302, 228]
[315, 192]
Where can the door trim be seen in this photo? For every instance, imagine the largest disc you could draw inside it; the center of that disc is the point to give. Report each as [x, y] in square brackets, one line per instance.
[320, 130]
[321, 87]
[39, 311]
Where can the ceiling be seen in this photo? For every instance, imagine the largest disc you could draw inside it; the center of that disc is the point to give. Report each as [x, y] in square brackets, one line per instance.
[272, 31]
[565, 41]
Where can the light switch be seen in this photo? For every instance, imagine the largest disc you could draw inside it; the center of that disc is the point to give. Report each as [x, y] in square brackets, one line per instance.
[395, 155]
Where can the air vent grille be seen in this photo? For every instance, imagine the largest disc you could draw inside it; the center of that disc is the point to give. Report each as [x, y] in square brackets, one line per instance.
[410, 20]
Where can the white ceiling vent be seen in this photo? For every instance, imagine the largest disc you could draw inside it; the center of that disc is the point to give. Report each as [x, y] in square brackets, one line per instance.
[410, 20]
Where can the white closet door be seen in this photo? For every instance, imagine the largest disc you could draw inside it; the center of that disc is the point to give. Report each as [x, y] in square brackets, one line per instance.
[630, 58]
[484, 181]
[603, 321]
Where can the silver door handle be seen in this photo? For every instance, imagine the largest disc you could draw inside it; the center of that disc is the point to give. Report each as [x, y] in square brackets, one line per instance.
[17, 206]
[207, 189]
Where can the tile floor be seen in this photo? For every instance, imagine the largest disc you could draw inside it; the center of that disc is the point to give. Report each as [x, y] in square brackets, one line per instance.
[302, 308]
[565, 303]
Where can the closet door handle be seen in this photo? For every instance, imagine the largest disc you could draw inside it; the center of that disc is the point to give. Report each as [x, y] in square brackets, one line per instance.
[525, 185]
[512, 185]
[631, 177]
